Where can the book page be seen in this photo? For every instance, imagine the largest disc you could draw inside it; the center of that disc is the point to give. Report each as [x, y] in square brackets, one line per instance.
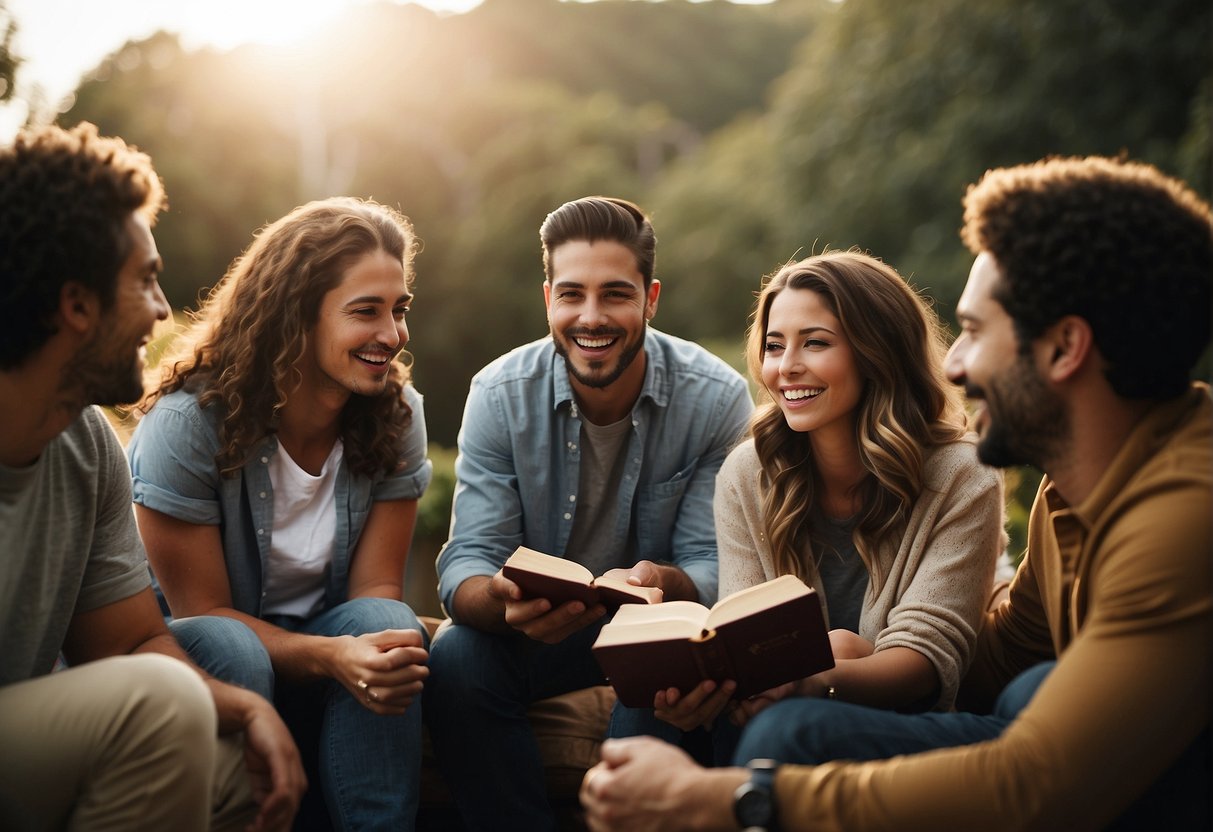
[647, 594]
[635, 623]
[755, 599]
[533, 561]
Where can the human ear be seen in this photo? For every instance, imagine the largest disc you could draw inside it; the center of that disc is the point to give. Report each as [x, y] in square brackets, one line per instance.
[650, 304]
[79, 307]
[1070, 343]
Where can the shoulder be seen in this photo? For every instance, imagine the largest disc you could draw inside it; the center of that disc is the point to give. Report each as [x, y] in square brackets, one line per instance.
[956, 463]
[684, 361]
[529, 362]
[89, 439]
[741, 466]
[413, 398]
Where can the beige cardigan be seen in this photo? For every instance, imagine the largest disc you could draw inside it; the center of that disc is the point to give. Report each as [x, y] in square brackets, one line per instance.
[938, 579]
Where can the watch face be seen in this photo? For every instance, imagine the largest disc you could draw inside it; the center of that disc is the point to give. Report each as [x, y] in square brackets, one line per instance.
[753, 806]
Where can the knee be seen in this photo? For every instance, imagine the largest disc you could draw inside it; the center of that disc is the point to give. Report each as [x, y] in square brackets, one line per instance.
[171, 696]
[461, 655]
[373, 615]
[227, 649]
[770, 734]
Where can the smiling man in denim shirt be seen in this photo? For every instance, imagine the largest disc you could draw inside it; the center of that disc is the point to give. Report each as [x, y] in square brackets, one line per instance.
[599, 443]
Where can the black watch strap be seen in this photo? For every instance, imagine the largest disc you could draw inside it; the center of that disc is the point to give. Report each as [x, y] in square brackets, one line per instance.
[754, 800]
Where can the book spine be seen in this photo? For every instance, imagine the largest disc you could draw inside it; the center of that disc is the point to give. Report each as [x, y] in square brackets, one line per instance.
[711, 657]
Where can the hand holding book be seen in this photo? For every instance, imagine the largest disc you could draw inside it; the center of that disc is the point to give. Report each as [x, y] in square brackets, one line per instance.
[560, 581]
[760, 637]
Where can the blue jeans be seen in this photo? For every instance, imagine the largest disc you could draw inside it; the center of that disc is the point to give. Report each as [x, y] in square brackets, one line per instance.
[709, 747]
[813, 731]
[476, 700]
[368, 766]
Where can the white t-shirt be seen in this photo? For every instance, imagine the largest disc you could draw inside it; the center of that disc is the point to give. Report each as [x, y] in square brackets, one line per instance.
[305, 528]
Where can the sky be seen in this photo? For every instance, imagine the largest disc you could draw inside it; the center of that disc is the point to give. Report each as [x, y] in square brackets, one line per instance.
[60, 40]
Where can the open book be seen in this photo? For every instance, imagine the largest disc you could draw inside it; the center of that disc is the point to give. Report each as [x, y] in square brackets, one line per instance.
[560, 580]
[759, 637]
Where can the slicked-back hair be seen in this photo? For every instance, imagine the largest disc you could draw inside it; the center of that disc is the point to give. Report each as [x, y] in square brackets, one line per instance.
[65, 198]
[1117, 243]
[594, 218]
[241, 349]
[905, 408]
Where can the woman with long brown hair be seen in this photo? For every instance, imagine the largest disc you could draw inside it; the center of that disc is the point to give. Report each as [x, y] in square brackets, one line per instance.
[276, 471]
[858, 477]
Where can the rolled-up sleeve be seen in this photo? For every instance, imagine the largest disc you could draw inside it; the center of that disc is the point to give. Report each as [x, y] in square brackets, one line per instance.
[173, 470]
[415, 470]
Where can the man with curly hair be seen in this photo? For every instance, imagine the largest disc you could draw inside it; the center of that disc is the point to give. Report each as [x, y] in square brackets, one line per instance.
[129, 736]
[1086, 309]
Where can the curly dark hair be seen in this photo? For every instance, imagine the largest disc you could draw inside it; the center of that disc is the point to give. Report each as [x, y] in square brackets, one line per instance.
[594, 218]
[65, 197]
[241, 350]
[1115, 242]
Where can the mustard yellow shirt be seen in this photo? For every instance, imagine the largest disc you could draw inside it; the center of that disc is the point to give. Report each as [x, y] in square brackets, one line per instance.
[1118, 590]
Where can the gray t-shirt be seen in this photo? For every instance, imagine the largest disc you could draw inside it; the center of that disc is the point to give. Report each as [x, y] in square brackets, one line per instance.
[843, 574]
[68, 543]
[602, 464]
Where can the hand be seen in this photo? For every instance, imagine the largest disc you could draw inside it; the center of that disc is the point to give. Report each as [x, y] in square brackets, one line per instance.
[644, 573]
[275, 770]
[747, 709]
[645, 785]
[699, 707]
[535, 617]
[385, 671]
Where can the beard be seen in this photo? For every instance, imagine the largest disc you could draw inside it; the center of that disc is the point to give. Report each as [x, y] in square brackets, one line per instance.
[597, 377]
[105, 374]
[1027, 422]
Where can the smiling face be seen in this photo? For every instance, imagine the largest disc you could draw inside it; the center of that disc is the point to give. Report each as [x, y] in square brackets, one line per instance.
[1019, 419]
[598, 311]
[360, 327]
[108, 368]
[808, 365]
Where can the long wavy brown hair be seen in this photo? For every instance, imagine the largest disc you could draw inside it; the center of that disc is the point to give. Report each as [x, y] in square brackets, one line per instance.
[241, 347]
[906, 406]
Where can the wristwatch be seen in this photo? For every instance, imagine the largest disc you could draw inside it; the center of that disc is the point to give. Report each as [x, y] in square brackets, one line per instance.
[754, 800]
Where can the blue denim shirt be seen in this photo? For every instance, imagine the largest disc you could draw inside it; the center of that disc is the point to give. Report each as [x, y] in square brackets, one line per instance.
[518, 465]
[172, 455]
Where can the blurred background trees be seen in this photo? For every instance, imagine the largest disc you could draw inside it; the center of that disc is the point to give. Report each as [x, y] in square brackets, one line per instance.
[753, 134]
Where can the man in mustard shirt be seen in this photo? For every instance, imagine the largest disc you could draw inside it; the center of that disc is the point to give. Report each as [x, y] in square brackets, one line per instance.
[1087, 306]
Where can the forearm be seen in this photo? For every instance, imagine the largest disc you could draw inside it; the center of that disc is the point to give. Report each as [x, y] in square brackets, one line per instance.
[898, 677]
[297, 657]
[676, 585]
[476, 606]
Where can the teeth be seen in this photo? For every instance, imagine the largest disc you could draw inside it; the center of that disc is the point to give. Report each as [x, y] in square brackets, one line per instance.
[802, 393]
[373, 357]
[594, 343]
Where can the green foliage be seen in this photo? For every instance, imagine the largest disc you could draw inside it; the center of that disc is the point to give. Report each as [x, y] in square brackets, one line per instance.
[9, 61]
[434, 508]
[753, 134]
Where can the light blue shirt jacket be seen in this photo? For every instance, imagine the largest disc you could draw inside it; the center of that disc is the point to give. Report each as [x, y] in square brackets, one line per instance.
[518, 466]
[172, 455]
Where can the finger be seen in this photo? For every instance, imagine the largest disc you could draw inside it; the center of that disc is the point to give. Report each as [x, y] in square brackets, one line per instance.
[387, 639]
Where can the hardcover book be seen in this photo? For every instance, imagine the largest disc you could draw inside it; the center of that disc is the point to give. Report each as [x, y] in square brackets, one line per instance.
[759, 637]
[560, 581]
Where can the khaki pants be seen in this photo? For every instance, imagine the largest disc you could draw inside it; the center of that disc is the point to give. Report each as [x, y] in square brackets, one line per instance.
[126, 743]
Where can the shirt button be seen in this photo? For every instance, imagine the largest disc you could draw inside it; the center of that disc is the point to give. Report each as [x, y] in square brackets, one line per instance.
[265, 459]
[263, 495]
[260, 532]
[635, 424]
[572, 498]
[636, 460]
[568, 516]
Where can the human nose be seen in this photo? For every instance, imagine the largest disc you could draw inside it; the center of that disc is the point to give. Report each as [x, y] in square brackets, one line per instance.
[953, 362]
[163, 310]
[791, 363]
[592, 312]
[396, 333]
